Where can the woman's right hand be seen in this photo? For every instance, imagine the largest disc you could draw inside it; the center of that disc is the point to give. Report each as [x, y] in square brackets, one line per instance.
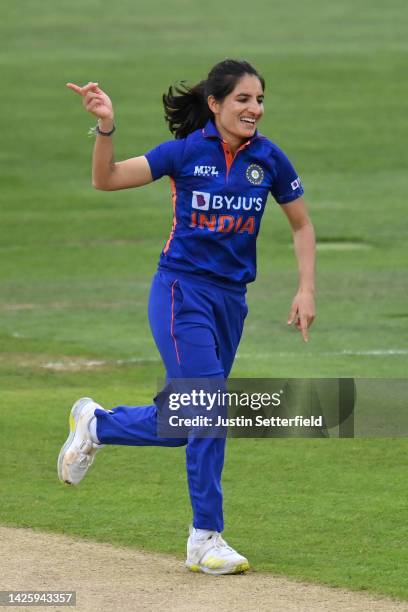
[94, 100]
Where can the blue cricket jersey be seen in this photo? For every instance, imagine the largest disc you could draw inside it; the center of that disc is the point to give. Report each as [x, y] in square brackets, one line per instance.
[219, 200]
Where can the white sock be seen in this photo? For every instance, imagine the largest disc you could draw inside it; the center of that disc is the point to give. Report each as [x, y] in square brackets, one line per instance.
[92, 430]
[201, 534]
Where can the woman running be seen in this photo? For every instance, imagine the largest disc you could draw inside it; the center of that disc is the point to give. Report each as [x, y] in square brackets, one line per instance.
[221, 171]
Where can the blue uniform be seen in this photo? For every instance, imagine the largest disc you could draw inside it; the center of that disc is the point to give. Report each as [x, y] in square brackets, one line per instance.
[197, 301]
[218, 201]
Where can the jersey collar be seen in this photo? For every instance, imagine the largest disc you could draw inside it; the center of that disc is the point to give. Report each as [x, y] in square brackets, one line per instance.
[210, 131]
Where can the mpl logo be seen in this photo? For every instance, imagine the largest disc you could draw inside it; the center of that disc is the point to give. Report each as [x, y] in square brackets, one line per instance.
[206, 171]
[201, 200]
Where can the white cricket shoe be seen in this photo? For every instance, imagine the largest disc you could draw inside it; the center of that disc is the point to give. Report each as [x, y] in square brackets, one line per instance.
[208, 552]
[78, 452]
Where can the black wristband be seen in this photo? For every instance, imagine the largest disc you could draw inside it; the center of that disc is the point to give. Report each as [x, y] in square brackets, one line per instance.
[96, 130]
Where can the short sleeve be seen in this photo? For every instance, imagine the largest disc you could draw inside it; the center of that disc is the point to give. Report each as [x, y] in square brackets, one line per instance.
[286, 185]
[165, 159]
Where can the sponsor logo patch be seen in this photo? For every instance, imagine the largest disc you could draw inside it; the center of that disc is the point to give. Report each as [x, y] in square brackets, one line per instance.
[206, 171]
[296, 184]
[255, 174]
[201, 200]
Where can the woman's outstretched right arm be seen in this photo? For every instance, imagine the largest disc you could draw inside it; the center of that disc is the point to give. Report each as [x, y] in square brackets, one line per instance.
[107, 174]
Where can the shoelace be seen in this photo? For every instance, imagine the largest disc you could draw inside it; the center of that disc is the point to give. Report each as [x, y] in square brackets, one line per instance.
[219, 542]
[86, 457]
[85, 461]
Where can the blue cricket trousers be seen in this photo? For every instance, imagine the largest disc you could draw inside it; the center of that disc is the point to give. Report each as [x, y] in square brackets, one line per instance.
[197, 327]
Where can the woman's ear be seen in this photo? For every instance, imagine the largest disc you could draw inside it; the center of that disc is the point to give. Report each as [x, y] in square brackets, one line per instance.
[213, 105]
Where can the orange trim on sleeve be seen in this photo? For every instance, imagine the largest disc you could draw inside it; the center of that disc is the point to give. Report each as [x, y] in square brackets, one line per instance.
[173, 227]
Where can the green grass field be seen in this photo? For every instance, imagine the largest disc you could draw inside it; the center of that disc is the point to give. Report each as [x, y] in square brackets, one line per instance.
[77, 263]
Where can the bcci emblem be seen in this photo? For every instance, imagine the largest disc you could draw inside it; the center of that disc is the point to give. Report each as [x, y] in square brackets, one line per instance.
[255, 174]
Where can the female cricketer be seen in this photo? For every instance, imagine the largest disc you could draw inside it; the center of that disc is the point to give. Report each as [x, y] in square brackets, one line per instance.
[221, 171]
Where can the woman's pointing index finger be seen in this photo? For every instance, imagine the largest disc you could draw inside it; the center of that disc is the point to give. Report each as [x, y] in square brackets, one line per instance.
[75, 88]
[82, 90]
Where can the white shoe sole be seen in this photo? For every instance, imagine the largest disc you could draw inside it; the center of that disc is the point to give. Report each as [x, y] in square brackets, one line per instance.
[73, 423]
[239, 568]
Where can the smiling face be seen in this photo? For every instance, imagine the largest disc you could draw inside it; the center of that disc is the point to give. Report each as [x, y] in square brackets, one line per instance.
[238, 114]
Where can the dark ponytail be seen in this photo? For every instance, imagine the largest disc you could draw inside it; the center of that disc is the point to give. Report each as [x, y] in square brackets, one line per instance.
[186, 108]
